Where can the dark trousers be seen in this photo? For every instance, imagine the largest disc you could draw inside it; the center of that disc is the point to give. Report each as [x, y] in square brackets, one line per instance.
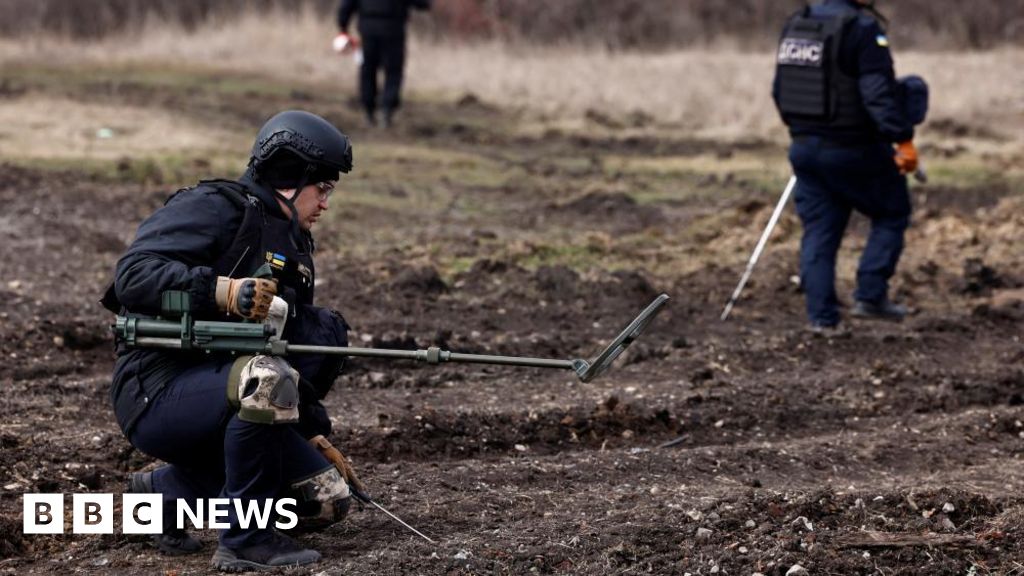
[212, 453]
[385, 51]
[832, 181]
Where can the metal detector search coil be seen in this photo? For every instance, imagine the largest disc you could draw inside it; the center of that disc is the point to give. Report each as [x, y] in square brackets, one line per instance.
[588, 371]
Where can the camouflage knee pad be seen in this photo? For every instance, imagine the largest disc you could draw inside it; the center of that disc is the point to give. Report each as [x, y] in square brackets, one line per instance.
[264, 389]
[323, 499]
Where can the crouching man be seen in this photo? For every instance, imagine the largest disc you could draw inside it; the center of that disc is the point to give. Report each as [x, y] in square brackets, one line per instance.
[225, 426]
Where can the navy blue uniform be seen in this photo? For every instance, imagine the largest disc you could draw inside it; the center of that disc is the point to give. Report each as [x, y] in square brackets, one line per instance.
[172, 405]
[382, 29]
[842, 152]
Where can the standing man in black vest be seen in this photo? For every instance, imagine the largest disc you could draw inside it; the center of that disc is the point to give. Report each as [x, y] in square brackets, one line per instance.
[225, 426]
[836, 90]
[382, 26]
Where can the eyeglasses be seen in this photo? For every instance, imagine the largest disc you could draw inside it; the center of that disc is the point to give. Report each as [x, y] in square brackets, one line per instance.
[324, 190]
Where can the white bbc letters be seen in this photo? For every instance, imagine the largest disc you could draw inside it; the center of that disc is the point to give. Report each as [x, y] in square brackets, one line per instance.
[142, 514]
[92, 513]
[43, 514]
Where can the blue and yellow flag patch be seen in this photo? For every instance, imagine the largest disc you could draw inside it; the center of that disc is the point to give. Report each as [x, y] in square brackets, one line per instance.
[276, 260]
[882, 40]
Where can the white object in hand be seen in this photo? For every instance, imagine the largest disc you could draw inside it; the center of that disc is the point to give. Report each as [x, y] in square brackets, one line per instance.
[341, 42]
[277, 316]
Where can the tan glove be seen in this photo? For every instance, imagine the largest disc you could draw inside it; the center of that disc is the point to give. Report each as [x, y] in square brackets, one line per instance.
[334, 456]
[246, 297]
[906, 157]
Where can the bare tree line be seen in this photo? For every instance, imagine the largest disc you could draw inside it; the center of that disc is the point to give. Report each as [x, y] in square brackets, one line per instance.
[644, 24]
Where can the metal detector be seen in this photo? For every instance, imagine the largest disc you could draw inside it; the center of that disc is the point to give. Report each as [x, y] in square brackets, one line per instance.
[920, 175]
[242, 338]
[759, 248]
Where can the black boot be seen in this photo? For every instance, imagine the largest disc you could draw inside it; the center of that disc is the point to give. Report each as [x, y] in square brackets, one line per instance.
[884, 310]
[173, 541]
[280, 550]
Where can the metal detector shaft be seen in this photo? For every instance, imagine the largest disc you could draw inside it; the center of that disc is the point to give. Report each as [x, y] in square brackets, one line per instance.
[245, 338]
[760, 247]
[432, 355]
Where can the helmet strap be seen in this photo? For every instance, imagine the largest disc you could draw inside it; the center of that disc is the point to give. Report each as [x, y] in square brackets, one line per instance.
[296, 234]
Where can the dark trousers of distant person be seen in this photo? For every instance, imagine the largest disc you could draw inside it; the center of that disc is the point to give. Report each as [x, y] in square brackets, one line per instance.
[832, 181]
[385, 51]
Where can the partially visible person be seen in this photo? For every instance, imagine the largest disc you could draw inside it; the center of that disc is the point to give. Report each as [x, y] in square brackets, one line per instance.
[852, 145]
[382, 28]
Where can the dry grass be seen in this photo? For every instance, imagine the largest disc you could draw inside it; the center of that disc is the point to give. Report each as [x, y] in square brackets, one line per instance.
[624, 24]
[721, 93]
[53, 128]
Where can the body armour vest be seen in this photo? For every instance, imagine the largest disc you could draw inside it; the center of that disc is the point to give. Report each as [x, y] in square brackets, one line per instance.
[260, 239]
[813, 91]
[264, 239]
[140, 375]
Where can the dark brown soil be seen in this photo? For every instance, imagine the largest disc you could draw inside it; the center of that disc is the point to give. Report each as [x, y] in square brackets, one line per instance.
[729, 448]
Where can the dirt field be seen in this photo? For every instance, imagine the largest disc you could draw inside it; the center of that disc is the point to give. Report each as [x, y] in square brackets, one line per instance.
[712, 448]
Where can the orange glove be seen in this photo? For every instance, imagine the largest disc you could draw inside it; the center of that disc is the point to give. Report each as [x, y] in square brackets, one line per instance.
[906, 157]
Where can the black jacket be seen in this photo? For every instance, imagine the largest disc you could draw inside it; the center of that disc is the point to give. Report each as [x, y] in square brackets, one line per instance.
[379, 17]
[863, 54]
[218, 228]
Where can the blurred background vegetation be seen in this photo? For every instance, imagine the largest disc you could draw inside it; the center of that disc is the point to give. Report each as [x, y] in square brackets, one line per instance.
[612, 24]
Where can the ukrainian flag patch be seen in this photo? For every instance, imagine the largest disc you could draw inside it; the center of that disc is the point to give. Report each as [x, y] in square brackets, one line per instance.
[882, 40]
[276, 260]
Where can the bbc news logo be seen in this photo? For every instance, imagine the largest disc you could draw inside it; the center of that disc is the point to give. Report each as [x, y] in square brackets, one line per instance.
[144, 513]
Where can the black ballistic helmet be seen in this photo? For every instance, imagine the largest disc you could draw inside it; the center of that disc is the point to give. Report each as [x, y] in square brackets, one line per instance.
[295, 148]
